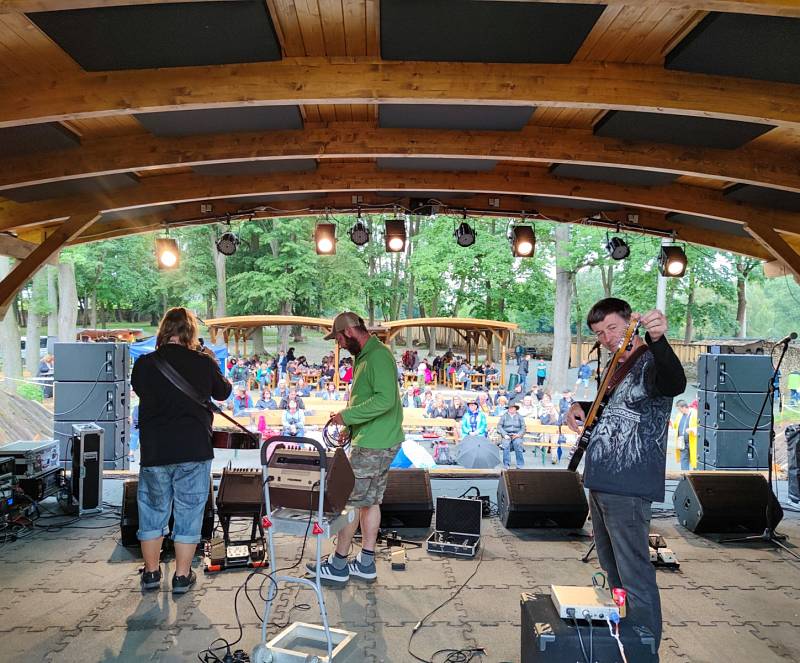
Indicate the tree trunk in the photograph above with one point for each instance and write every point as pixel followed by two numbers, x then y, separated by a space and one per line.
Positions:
pixel 607 277
pixel 687 336
pixel 741 306
pixel 91 305
pixel 578 322
pixel 410 276
pixel 32 341
pixel 456 304
pixel 258 341
pixel 426 332
pixel 219 267
pixel 12 361
pixel 68 303
pixel 283 330
pixel 370 299
pixel 561 315
pixel 52 300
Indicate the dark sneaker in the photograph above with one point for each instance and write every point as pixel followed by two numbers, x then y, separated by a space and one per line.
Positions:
pixel 182 584
pixel 328 573
pixel 366 572
pixel 150 579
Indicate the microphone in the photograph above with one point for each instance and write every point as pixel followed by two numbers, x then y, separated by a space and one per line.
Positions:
pixel 789 337
pixel 596 346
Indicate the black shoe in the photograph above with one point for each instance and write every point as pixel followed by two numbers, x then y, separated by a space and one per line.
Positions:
pixel 182 584
pixel 150 579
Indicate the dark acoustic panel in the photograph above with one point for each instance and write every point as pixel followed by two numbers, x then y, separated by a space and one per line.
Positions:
pixel 32 138
pixel 257 167
pixel 742 45
pixel 466 31
pixel 187 34
pixel 83 185
pixel 574 203
pixel 453 116
pixel 418 163
pixel 709 224
pixel 222 120
pixel 679 129
pixel 633 176
pixel 764 196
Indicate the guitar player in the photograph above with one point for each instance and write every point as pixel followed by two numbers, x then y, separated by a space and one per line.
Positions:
pixel 625 460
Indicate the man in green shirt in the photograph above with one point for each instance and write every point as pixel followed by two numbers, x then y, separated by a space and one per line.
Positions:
pixel 375 416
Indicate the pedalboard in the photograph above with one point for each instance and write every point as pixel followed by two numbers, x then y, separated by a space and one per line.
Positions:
pixel 237 554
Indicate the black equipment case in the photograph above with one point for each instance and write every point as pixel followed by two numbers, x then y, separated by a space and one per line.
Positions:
pixel 457 528
pixel 547 637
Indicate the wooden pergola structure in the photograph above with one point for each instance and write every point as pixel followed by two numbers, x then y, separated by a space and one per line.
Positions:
pixel 472 330
pixel 129 116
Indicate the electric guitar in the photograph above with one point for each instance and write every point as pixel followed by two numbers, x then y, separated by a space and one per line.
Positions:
pixel 603 392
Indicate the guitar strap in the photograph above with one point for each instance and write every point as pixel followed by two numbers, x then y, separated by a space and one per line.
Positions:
pixel 625 368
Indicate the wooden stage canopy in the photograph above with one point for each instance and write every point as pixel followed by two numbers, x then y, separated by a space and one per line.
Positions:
pixel 128 116
pixel 472 330
pixel 241 327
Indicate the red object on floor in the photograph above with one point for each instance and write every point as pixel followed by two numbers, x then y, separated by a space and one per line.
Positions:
pixel 317 530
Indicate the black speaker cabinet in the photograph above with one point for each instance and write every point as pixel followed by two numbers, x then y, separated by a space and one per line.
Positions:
pixel 732 449
pixel 535 498
pixel 731 411
pixel 725 502
pixel 129 519
pixel 408 501
pixel 793 449
pixel 726 372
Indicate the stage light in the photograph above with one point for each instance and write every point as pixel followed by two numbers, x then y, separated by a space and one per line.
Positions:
pixel 617 248
pixel 465 234
pixel 395 236
pixel 168 255
pixel 523 241
pixel 227 243
pixel 672 261
pixel 359 233
pixel 325 239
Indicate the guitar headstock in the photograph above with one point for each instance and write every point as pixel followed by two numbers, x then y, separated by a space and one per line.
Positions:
pixel 626 342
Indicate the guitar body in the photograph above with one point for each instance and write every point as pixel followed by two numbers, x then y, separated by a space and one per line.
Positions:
pixel 584 439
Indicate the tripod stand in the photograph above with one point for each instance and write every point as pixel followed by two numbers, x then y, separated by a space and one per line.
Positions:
pixel 769 535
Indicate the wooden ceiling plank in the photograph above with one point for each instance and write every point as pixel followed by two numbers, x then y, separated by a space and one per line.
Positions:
pixel 776 245
pixel 308 17
pixel 616 86
pixel 617 34
pixel 332 19
pixel 284 17
pixel 32 48
pixel 173 189
pixel 532 146
pixel 355 27
pixel 373 27
pixel 598 31
pixel 311 113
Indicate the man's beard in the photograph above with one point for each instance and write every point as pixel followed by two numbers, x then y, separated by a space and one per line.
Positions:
pixel 352 346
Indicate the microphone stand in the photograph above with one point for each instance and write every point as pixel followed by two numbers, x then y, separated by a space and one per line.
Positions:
pixel 769 535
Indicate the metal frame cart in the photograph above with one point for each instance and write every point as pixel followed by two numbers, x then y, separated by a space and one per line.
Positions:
pixel 337 642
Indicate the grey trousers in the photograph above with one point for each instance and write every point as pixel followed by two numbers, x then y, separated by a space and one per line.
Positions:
pixel 621 529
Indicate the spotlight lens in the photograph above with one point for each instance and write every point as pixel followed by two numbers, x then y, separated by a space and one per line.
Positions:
pixel 325 245
pixel 524 248
pixel 396 243
pixel 168 259
pixel 674 267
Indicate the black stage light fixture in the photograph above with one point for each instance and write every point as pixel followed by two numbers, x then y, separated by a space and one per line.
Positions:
pixel 168 255
pixel 523 241
pixel 672 261
pixel 359 233
pixel 465 234
pixel 325 239
pixel 617 248
pixel 227 243
pixel 395 235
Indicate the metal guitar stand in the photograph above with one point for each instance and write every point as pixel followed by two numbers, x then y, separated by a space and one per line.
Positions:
pixel 338 643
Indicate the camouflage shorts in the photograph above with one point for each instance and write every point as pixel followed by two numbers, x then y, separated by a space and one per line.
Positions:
pixel 371 468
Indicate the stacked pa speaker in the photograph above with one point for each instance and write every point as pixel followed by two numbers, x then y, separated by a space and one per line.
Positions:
pixel 91 386
pixel 731 391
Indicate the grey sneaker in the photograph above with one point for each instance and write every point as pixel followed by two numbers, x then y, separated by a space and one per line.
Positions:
pixel 150 579
pixel 328 573
pixel 365 572
pixel 182 584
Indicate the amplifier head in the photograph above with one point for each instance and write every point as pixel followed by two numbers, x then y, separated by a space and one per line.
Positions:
pixel 295 475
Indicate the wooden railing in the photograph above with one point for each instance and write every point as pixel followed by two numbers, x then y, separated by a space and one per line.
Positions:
pixel 687 352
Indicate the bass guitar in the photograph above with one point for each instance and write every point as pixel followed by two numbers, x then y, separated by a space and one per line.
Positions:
pixel 603 393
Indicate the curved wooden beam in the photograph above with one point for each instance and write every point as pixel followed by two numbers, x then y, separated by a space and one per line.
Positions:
pixel 533 144
pixel 613 86
pixel 366 177
pixel 767 7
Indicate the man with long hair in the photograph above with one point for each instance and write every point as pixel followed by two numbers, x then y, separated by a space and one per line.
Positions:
pixel 176 447
pixel 627 453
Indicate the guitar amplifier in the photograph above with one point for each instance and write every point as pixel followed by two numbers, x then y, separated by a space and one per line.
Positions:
pixel 294 479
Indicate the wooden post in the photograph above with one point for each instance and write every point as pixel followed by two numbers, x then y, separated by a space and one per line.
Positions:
pixel 503 337
pixel 236 342
pixel 25 269
pixel 213 332
pixel 336 364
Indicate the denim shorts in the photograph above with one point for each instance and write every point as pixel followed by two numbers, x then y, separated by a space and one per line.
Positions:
pixel 180 490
